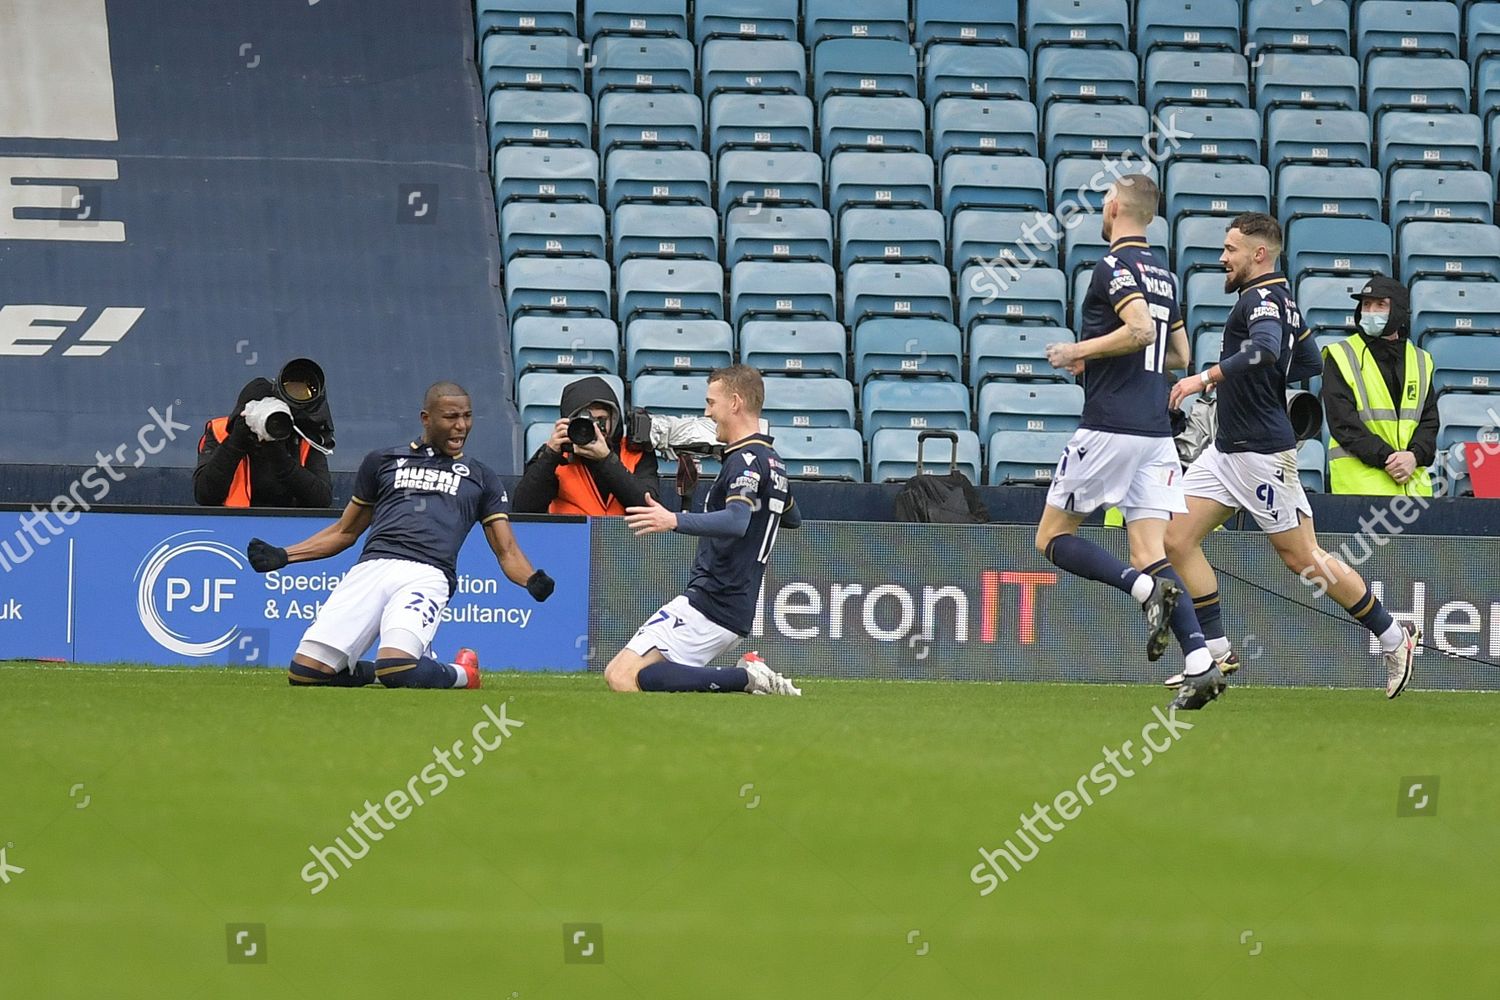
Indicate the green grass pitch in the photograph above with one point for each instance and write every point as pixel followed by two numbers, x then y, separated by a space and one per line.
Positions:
pixel 736 847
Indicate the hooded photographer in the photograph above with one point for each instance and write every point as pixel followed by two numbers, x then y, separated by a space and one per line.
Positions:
pixel 589 465
pixel 271 450
pixel 1377 396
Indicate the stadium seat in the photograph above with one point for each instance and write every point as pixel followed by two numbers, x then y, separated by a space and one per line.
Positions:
pixel 1208 348
pixel 752 232
pixel 873 124
pixel 1197 78
pixel 1217 189
pixel 1219 135
pixel 772 290
pixel 672 231
pixel 557 229
pixel 1037 296
pixel 1321 245
pixel 911 403
pixel 1298 26
pixel 1207 304
pixel 557 17
pixel 545 174
pixel 1410 27
pixel 795 348
pixel 748 19
pixel 672 288
pixel 1467 364
pixel 754 178
pixel 670 395
pixel 677 345
pixel 1069 74
pixel 865 67
pixel 904 291
pixel 1307 80
pixel 1410 138
pixel 623 63
pixel 1084 244
pixel 1481 31
pixel 903 348
pixel 1093 130
pixel 1458 309
pixel 894 453
pixel 1317 136
pixel 1187 24
pixel 1467 416
pixel 809 402
pixel 1327 304
pixel 657 177
pixel 1079 182
pixel 1198 245
pixel 891 236
pixel 1308 190
pixel 1401 83
pixel 1449 250
pixel 1029 406
pixel 967 125
pixel 634 17
pixel 1025 456
pixel 1019 239
pixel 834 19
pixel 540 118
pixel 1441 196
pixel 1077 22
pixel 1016 353
pixel 537 435
pixel 760 121
pixel 652 121
pixel 881 180
pixel 565 285
pixel 565 344
pixel 976 71
pixel 1000 183
pixel 734 65
pixel 827 453
pixel 1312 461
pixel 540 62
pixel 539 394
pixel 963 21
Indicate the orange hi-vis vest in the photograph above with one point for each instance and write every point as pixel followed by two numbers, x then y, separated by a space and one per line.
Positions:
pixel 577 493
pixel 239 486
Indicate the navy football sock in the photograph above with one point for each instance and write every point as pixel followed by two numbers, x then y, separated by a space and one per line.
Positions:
pixel 1370 613
pixel 1185 624
pixel 299 676
pixel 664 675
pixel 405 672
pixel 1210 615
pixel 1082 557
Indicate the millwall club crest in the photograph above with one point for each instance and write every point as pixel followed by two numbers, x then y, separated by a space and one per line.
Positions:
pixel 460 469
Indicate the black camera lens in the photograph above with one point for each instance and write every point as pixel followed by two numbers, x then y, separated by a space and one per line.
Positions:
pixel 582 431
pixel 279 426
pixel 300 382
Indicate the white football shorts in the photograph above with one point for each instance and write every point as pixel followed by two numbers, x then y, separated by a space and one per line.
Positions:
pixel 1265 485
pixel 1140 475
pixel 682 634
pixel 396 600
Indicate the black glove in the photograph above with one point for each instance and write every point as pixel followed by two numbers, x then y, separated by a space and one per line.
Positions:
pixel 540 586
pixel 265 557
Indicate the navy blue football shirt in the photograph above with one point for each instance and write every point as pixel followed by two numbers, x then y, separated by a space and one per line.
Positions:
pixel 1252 403
pixel 1128 394
pixel 425 503
pixel 727 571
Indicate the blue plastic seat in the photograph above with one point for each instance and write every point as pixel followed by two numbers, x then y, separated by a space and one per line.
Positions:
pixel 1001 183
pixel 1218 135
pixel 967 125
pixel 635 17
pixel 651 121
pixel 668 231
pixel 1069 74
pixel 1487 93
pixel 558 229
pixel 760 121
pixel 1027 456
pixel 1466 364
pixel 1036 296
pixel 906 291
pixel 748 19
pixel 540 118
pixel 894 452
pixel 1307 80
pixel 1187 24
pixel 1327 304
pixel 642 64
pixel 557 286
pixel 1466 416
pixel 827 453
pixel 1409 27
pixel 1441 196
pixel 1304 189
pixel 1322 137
pixel 1217 189
pixel 530 173
pixel 1029 406
pixel 735 65
pixel 539 394
pixel 1459 309
pixel 677 345
pixel 995 23
pixel 881 180
pixel 903 348
pixel 752 178
pixel 891 236
pixel 657 177
pixel 784 234
pixel 1093 130
pixel 1411 138
pixel 670 288
pixel 1312 462
pixel 779 347
pixel 1077 22
pixel 1322 245
pixel 1084 244
pixel 873 124
pixel 1298 26
pixel 869 19
pixel 1449 250
pixel 867 67
pixel 1197 78
pixel 1206 303
pixel 915 404
pixel 1015 353
pixel 1208 348
pixel 809 402
pixel 1198 246
pixel 1084 181
pixel 542 62
pixel 565 344
pixel 976 71
pixel 670 395
pixel 773 290
pixel 1010 239
pixel 556 17
pixel 1401 83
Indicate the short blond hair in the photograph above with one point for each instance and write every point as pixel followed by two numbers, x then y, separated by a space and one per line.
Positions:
pixel 1138 196
pixel 742 381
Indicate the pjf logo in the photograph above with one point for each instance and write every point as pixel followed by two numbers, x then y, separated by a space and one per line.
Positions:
pixel 184 580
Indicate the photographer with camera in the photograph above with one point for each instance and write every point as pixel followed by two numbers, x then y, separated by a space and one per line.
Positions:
pixel 590 465
pixel 271 451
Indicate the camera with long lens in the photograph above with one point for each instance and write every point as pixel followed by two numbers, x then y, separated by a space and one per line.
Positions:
pixel 297 399
pixel 582 430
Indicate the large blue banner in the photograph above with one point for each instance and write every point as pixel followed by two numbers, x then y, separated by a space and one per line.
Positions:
pixel 177 589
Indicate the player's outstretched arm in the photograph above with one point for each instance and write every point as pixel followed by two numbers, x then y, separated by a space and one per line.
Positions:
pixel 513 562
pixel 330 541
pixel 1133 335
